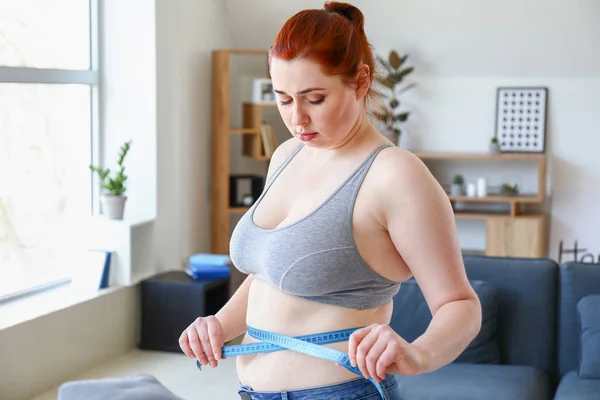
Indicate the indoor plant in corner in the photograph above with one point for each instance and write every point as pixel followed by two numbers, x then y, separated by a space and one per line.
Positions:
pixel 113 186
pixel 392 83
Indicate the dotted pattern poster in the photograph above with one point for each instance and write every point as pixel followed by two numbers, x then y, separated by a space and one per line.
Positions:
pixel 521 119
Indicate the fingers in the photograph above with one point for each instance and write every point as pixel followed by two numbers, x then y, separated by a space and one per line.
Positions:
pixel 355 339
pixel 185 345
pixel 373 350
pixel 362 350
pixel 216 339
pixel 196 345
pixel 372 359
pixel 387 358
pixel 203 340
pixel 207 347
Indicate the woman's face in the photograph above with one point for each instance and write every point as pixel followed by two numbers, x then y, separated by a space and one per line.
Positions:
pixel 319 110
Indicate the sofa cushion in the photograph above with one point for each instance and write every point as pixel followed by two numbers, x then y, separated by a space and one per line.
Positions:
pixel 527 299
pixel 577 280
pixel 476 382
pixel 573 387
pixel 134 387
pixel 588 309
pixel 412 316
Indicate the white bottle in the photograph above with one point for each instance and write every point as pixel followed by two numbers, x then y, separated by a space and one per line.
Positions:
pixel 471 190
pixel 481 187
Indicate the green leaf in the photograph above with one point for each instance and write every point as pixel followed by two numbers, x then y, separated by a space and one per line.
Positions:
pixel 405 88
pixel 401 117
pixel 385 81
pixel 384 64
pixel 394 59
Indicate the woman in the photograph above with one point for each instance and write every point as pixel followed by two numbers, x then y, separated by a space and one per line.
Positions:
pixel 344 218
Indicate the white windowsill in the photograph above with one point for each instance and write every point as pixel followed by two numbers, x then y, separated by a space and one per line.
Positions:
pixel 37 305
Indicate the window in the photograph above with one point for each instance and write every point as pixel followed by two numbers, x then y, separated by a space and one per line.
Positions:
pixel 48 114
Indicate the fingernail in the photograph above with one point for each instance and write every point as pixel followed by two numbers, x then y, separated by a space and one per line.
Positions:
pixel 213 364
pixel 218 356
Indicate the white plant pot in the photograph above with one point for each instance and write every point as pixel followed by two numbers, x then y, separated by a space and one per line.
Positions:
pixel 113 207
pixel 456 189
pixel 495 148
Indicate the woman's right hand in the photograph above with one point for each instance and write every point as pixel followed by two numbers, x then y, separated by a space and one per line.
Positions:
pixel 203 340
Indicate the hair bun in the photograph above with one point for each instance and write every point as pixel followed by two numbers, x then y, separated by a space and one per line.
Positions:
pixel 347 11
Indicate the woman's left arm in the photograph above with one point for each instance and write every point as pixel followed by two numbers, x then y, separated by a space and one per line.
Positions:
pixel 421 224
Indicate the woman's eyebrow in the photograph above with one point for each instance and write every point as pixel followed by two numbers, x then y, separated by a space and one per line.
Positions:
pixel 300 92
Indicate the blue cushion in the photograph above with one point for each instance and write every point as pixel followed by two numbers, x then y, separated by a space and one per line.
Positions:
pixel 577 280
pixel 527 299
pixel 412 316
pixel 572 387
pixel 476 382
pixel 588 309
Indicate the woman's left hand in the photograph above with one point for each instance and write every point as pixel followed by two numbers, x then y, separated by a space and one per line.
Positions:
pixel 378 350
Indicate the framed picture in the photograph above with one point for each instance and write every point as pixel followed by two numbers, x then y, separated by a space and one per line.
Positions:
pixel 521 119
pixel 262 91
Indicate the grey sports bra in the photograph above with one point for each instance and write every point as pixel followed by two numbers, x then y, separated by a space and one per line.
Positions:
pixel 316 257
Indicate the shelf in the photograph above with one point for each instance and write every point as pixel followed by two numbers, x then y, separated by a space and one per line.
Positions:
pixel 498 199
pixel 479 156
pixel 462 214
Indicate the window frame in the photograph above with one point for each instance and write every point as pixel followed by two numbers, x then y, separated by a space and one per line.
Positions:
pixel 90 77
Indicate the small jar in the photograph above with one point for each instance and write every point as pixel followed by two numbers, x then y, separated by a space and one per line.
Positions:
pixel 481 187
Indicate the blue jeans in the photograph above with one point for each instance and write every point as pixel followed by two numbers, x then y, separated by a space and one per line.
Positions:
pixel 357 389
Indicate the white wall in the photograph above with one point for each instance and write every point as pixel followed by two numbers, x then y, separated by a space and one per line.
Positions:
pixel 186 32
pixel 50 349
pixel 462 51
pixel 128 102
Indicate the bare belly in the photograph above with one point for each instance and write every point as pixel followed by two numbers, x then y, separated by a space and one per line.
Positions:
pixel 272 310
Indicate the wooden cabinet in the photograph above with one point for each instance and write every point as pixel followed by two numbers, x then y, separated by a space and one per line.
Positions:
pixel 518 232
pixel 523 236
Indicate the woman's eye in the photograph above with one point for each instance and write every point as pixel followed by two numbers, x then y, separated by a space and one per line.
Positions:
pixel 285 102
pixel 315 102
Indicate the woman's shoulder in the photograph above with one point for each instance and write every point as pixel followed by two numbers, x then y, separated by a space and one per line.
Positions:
pixel 282 153
pixel 405 173
pixel 397 164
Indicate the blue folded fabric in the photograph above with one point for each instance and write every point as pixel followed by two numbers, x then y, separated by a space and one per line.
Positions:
pixel 208 272
pixel 209 259
pixel 208 266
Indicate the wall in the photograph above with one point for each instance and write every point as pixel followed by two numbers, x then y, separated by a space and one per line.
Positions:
pixel 186 32
pixel 462 51
pixel 49 349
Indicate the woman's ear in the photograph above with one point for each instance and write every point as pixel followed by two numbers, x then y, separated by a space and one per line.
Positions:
pixel 363 81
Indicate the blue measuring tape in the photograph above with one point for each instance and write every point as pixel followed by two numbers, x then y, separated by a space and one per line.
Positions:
pixel 308 344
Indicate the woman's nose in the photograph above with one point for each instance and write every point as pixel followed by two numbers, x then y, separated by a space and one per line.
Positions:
pixel 299 117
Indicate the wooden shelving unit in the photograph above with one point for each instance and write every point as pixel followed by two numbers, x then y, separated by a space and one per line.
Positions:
pixel 513 233
pixel 518 232
pixel 252 145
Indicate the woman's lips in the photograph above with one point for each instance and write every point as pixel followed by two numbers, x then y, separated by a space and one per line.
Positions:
pixel 307 136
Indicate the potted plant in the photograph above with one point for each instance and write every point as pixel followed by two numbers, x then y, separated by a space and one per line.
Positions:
pixel 392 82
pixel 113 186
pixel 509 190
pixel 494 146
pixel 456 188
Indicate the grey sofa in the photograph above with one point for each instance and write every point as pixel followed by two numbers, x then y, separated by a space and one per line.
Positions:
pixel 530 345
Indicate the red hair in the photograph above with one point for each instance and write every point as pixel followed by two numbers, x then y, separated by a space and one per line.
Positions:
pixel 334 37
